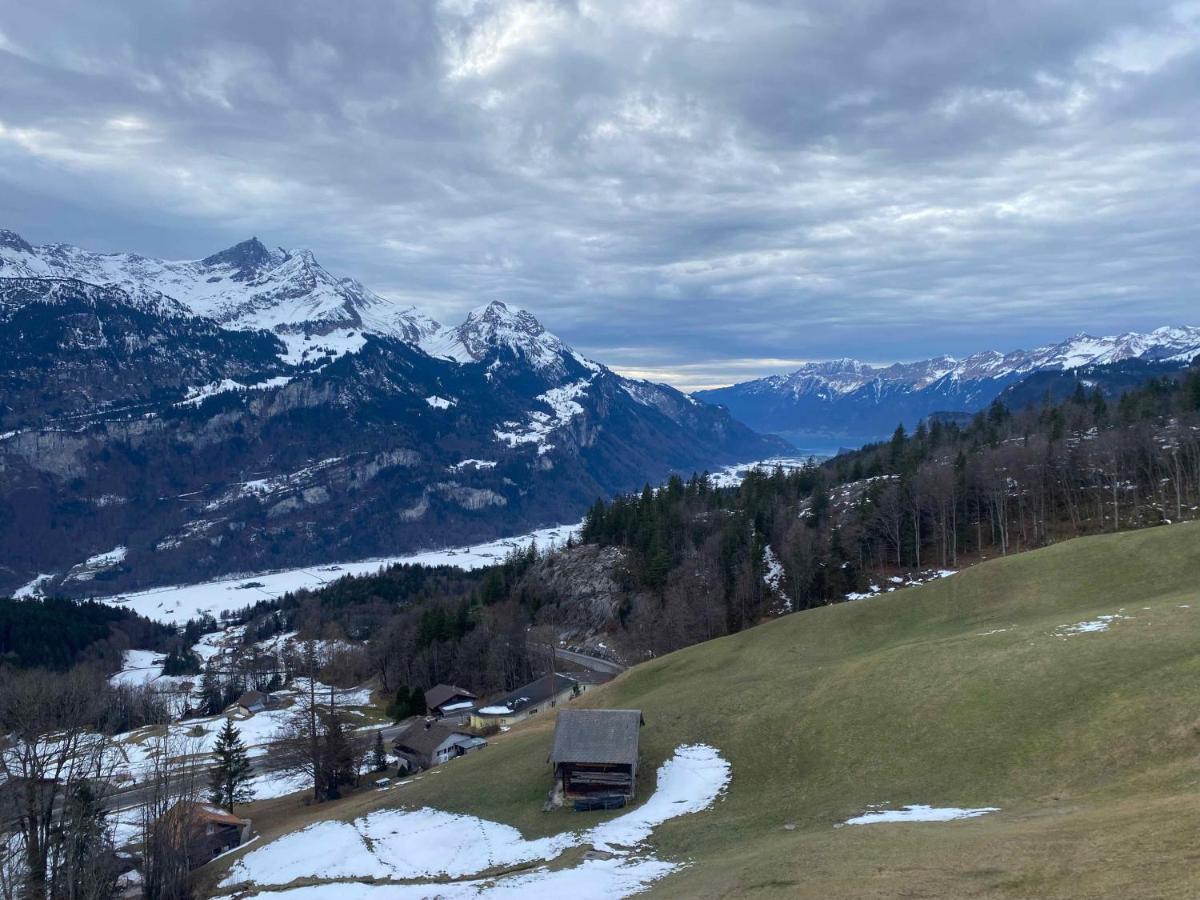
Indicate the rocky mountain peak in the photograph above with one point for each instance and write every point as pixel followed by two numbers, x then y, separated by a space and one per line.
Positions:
pixel 13 241
pixel 247 258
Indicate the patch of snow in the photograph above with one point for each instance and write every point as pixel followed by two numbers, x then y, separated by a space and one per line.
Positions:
pixel 105 560
pixel 304 348
pixel 562 402
pixel 773 576
pixel 1100 623
pixel 139 667
pixel 33 589
pixel 402 845
pixel 198 395
pixel 88 569
pixel 733 475
pixel 495 710
pixel 473 463
pixel 271 785
pixel 912 580
pixel 920 813
pixel 592 879
pixel 691 780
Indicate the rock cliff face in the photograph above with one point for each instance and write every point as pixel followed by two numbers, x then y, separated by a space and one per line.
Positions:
pixel 271 415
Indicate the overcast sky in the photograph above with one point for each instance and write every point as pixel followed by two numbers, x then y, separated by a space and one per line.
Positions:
pixel 699 192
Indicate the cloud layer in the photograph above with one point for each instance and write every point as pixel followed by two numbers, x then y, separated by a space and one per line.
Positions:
pixel 700 191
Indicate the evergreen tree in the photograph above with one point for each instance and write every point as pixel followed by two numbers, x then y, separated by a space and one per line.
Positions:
pixel 231 775
pixel 211 692
pixel 378 755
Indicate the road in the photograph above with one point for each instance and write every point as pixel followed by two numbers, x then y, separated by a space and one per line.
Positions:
pixel 592 663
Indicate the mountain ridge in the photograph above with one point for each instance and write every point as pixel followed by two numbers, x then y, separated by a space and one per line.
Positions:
pixel 304 420
pixel 849 399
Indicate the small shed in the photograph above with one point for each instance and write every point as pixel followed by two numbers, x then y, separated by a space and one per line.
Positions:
pixel 448 698
pixel 596 752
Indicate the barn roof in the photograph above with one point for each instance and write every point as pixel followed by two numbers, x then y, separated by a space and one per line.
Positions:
pixel 441 693
pixel 607 736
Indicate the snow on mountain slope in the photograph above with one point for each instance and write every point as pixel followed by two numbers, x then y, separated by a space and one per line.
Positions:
pixel 843 376
pixel 249 410
pixel 496 326
pixel 316 314
pixel 245 287
pixel 848 401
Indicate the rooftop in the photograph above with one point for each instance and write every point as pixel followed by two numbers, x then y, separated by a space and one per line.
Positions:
pixel 607 736
pixel 442 693
pixel 425 740
pixel 538 691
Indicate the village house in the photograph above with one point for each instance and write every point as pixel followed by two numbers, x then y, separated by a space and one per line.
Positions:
pixel 595 754
pixel 210 830
pixel 448 699
pixel 546 692
pixel 252 702
pixel 427 744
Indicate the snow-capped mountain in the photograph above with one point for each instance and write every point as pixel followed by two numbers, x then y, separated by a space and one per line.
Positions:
pixel 245 287
pixel 848 400
pixel 250 410
pixel 250 287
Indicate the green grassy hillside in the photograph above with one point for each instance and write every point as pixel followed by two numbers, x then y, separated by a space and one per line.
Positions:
pixel 1088 743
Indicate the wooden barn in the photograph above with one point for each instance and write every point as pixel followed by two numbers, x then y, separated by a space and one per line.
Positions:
pixel 596 752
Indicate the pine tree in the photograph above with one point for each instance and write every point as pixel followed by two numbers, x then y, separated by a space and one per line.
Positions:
pixel 379 755
pixel 231 775
pixel 211 693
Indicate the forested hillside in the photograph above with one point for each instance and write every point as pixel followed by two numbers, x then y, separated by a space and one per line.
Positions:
pixel 946 495
pixel 666 568
pixel 57 633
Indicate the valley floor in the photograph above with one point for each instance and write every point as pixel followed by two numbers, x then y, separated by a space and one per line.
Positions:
pixel 1059 686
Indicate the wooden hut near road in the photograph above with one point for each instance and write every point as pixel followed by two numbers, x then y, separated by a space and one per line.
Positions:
pixel 595 752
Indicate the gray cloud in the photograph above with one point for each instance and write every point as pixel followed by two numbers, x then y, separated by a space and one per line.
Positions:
pixel 701 191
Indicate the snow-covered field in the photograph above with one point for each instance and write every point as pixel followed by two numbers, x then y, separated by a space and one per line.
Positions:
pixel 402 845
pixel 139 667
pixel 920 813
pixel 177 604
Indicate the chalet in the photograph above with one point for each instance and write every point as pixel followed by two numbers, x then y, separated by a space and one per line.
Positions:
pixel 444 699
pixel 252 702
pixel 210 830
pixel 545 693
pixel 595 753
pixel 427 744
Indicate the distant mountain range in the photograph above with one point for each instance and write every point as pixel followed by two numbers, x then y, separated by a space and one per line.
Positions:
pixel 178 419
pixel 851 402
